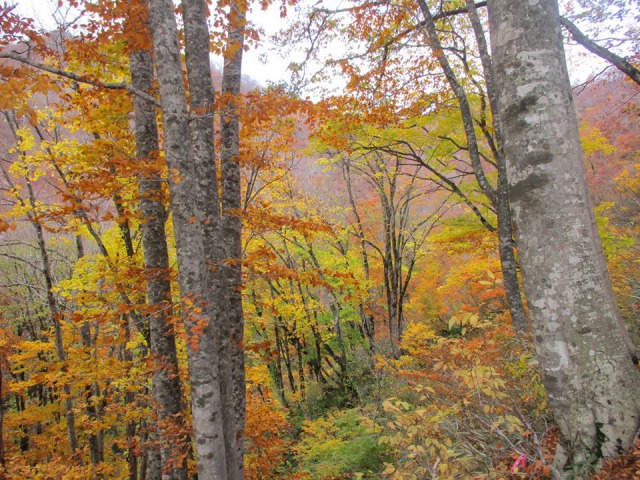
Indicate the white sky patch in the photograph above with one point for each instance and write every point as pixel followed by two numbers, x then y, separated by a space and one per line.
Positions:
pixel 264 64
pixel 582 63
pixel 261 64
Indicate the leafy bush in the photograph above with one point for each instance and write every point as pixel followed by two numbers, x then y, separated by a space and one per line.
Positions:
pixel 342 445
pixel 473 404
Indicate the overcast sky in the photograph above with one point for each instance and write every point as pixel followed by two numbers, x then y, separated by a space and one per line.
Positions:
pixel 275 69
pixel 581 63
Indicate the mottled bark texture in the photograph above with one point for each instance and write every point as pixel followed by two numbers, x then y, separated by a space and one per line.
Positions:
pixel 584 353
pixel 169 433
pixel 233 386
pixel 188 220
pixel 211 318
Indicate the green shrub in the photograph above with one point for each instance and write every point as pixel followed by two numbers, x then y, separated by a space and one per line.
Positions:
pixel 340 446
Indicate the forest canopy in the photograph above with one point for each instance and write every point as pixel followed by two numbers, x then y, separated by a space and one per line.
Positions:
pixel 415 258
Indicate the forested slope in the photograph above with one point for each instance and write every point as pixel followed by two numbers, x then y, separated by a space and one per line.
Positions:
pixel 206 281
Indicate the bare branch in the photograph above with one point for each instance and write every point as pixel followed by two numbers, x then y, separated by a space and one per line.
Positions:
pixel 620 63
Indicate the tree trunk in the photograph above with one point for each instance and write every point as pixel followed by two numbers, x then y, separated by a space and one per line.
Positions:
pixel 299 345
pixel 193 189
pixel 232 342
pixel 367 319
pixel 2 463
pixel 337 330
pixel 498 196
pixel 503 207
pixel 57 327
pixel 506 251
pixel 282 344
pixel 584 353
pixel 92 394
pixel 169 433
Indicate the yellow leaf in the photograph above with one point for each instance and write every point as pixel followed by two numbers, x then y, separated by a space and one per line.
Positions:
pixel 389 470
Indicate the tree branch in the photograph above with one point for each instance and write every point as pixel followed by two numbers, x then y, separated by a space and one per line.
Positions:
pixel 620 63
pixel 457 11
pixel 438 16
pixel 79 78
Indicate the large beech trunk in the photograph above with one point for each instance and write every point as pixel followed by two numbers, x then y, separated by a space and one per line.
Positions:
pixel 233 386
pixel 188 194
pixel 584 353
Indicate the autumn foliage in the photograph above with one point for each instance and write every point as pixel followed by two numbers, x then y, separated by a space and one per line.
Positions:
pixel 378 341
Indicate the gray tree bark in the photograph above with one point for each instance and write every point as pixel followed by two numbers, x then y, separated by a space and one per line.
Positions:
pixel 210 287
pixel 166 393
pixel 193 188
pixel 585 355
pixel 233 386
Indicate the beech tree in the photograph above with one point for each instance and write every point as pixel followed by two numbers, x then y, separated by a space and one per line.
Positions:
pixel 585 355
pixel 166 382
pixel 212 313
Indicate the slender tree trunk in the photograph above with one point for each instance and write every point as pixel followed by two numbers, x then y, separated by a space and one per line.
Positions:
pixel 585 355
pixel 232 345
pixel 283 352
pixel 499 196
pixel 57 327
pixel 129 397
pixel 367 319
pixel 506 251
pixel 274 364
pixel 168 437
pixel 299 345
pixel 387 261
pixel 317 342
pixel 337 330
pixel 23 439
pixel 334 306
pixel 2 462
pixel 503 208
pixel 127 319
pixel 92 392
